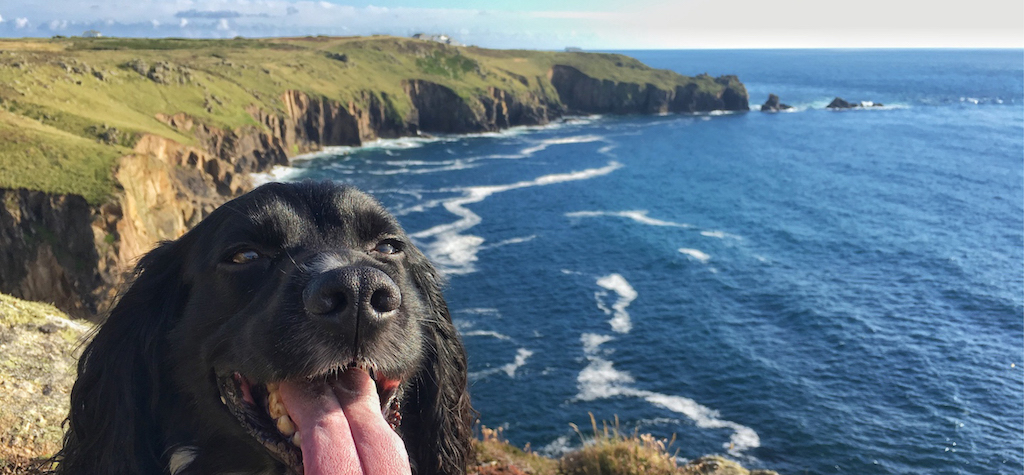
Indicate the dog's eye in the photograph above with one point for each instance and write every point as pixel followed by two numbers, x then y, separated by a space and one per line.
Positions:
pixel 388 247
pixel 245 257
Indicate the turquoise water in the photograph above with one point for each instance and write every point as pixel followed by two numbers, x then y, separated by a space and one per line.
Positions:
pixel 812 291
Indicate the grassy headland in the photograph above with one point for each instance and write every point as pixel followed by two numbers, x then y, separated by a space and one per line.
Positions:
pixel 70 107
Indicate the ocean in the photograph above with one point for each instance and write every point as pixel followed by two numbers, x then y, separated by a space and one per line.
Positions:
pixel 811 291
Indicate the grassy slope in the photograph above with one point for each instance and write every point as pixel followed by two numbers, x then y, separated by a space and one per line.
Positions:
pixel 59 97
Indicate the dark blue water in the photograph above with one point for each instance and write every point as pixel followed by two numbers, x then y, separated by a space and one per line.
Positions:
pixel 813 292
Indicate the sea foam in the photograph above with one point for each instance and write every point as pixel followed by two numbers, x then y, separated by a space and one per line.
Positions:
pixel 639 216
pixel 694 253
pixel 455 252
pixel 600 380
pixel 620 321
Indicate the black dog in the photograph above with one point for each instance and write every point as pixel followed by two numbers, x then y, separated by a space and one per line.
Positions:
pixel 257 342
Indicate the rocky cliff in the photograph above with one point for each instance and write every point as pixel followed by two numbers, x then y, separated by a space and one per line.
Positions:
pixel 225 120
pixel 586 94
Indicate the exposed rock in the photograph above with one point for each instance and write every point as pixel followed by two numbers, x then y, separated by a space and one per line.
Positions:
pixel 839 103
pixel 138 66
pixel 48 250
pixel 439 109
pixel 38 351
pixel 582 93
pixel 773 104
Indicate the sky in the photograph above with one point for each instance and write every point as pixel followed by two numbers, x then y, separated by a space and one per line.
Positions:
pixel 547 24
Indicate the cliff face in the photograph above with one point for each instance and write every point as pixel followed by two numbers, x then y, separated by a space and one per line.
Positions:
pixel 582 93
pixel 58 248
pixel 47 249
pixel 438 109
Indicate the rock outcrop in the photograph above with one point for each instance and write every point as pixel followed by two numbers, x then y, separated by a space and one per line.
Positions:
pixel 439 109
pixel 39 348
pixel 839 103
pixel 584 94
pixel 773 104
pixel 48 250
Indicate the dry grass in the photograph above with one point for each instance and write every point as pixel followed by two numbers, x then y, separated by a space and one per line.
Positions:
pixel 610 452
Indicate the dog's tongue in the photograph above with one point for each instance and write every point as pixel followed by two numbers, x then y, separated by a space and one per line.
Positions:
pixel 342 428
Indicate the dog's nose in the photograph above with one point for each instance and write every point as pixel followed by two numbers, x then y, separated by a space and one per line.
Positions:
pixel 352 294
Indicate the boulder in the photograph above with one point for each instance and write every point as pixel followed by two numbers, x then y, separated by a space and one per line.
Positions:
pixel 773 104
pixel 839 103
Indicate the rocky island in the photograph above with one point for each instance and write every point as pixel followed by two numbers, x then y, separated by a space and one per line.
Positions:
pixel 110 145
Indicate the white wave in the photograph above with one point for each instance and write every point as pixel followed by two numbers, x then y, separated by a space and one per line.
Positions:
pixel 592 342
pixel 600 380
pixel 558 447
pixel 480 311
pixel 639 216
pixel 742 439
pixel 518 240
pixel 457 165
pixel 279 173
pixel 719 235
pixel 522 355
pixel 510 369
pixel 489 333
pixel 456 253
pixel 543 144
pixel 694 253
pixel 620 320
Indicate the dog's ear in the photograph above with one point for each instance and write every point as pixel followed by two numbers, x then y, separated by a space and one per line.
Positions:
pixel 112 427
pixel 437 420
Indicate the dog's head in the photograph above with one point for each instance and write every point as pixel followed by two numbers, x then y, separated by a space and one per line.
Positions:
pixel 251 343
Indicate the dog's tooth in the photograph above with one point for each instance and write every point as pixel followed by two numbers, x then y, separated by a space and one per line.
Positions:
pixel 223 400
pixel 285 425
pixel 296 440
pixel 275 407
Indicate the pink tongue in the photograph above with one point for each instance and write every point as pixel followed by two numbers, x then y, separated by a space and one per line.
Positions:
pixel 342 428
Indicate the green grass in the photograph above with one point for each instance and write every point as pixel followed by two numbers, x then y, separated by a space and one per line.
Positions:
pixel 60 98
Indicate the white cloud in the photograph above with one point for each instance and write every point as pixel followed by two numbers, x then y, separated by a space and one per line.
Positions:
pixel 58 24
pixel 641 24
pixel 1 18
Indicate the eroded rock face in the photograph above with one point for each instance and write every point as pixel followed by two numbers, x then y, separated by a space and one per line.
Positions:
pixel 582 93
pixel 439 109
pixel 47 250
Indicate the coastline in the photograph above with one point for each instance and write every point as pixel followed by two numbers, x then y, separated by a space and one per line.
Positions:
pixel 181 127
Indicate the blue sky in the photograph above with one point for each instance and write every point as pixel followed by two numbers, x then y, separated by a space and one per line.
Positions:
pixel 539 24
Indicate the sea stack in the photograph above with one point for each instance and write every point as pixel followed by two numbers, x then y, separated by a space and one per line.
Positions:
pixel 773 104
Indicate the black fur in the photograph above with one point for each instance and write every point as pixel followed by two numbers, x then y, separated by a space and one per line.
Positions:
pixel 148 380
